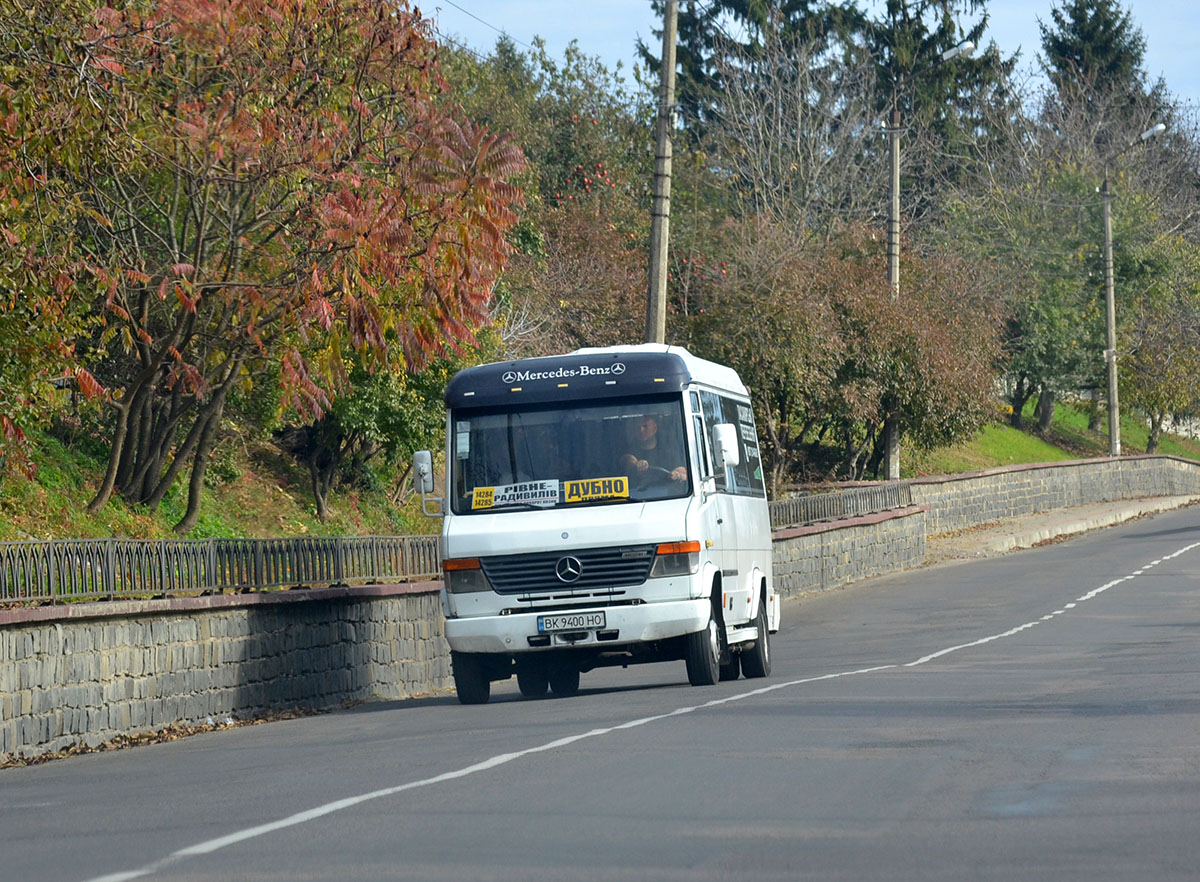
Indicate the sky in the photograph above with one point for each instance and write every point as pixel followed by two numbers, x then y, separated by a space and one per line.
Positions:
pixel 610 29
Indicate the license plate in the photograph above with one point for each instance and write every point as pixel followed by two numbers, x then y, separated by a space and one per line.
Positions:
pixel 589 621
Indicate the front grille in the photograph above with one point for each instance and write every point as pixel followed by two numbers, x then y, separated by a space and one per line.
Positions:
pixel 554 604
pixel 600 568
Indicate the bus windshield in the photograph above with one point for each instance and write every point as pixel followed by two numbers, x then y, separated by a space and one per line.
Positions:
pixel 561 455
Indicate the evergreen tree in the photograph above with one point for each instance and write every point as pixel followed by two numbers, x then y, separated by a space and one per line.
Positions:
pixel 1093 55
pixel 948 110
pixel 1093 48
pixel 708 31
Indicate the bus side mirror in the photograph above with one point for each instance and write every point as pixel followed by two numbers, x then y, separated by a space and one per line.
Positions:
pixel 423 471
pixel 725 445
pixel 423 483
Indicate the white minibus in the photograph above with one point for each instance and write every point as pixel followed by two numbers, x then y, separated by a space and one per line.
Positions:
pixel 604 507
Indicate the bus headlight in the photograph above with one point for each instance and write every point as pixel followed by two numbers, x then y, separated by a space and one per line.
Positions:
pixel 464 576
pixel 676 559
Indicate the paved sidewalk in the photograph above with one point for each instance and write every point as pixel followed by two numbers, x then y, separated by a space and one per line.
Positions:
pixel 988 540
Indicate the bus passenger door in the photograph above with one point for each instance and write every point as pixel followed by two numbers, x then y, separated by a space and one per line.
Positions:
pixel 719 517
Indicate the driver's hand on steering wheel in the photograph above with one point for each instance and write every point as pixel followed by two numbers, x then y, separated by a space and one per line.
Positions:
pixel 632 463
pixel 641 466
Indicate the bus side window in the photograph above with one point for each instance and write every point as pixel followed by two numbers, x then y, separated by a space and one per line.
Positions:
pixel 710 403
pixel 703 460
pixel 739 475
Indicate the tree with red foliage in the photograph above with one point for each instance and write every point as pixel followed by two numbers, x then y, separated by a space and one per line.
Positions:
pixel 831 354
pixel 250 182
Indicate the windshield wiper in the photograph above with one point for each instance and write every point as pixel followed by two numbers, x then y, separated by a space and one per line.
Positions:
pixel 521 506
pixel 601 500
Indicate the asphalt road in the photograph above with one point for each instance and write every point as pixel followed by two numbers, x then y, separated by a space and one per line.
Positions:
pixel 1031 716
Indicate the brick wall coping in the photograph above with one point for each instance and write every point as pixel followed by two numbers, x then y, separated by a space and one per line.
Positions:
pixel 124 608
pixel 1030 467
pixel 862 521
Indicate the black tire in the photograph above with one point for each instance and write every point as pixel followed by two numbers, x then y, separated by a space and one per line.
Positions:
pixel 756 661
pixel 532 682
pixel 731 668
pixel 471 680
pixel 564 681
pixel 702 652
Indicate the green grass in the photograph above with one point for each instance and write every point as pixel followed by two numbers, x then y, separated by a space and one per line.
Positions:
pixel 255 492
pixel 998 444
pixel 995 445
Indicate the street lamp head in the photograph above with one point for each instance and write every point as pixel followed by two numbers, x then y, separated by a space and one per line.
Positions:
pixel 1153 130
pixel 966 47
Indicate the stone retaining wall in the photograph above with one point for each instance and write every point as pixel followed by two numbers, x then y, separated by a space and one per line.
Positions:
pixel 957 502
pixel 86 673
pixel 822 556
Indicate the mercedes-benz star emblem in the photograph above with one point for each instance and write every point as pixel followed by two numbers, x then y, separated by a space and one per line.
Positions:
pixel 618 368
pixel 510 376
pixel 568 569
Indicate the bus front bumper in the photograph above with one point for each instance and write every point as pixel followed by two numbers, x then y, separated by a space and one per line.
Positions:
pixel 644 623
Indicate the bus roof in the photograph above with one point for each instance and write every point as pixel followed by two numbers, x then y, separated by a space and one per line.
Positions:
pixel 588 373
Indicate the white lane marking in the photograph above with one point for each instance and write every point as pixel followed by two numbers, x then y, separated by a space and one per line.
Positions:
pixel 328 808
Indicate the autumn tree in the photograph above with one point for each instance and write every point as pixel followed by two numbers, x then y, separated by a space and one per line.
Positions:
pixel 39 314
pixel 927 359
pixel 760 312
pixel 386 417
pixel 263 182
pixel 577 276
pixel 793 138
pixel 1160 367
pixel 1032 206
pixel 831 355
pixel 1034 224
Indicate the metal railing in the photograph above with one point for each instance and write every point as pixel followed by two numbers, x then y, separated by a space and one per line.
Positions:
pixel 90 569
pixel 849 503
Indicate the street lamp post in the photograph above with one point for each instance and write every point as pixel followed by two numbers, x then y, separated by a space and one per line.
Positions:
pixel 1110 308
pixel 891 428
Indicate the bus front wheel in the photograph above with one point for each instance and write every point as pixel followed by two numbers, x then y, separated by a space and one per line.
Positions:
pixel 702 652
pixel 471 679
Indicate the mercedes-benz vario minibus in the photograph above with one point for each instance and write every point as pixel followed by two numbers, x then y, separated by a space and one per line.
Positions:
pixel 604 507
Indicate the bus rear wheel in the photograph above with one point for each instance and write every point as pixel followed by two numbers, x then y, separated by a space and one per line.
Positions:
pixel 532 682
pixel 564 681
pixel 756 662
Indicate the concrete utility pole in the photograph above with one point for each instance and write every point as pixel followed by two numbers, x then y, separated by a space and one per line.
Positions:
pixel 1110 326
pixel 891 426
pixel 660 220
pixel 894 212
pixel 1110 306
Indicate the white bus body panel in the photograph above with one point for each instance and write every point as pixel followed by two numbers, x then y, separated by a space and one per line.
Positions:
pixel 733 531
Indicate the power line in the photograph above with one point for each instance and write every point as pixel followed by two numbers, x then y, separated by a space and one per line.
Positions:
pixel 488 24
pixel 458 44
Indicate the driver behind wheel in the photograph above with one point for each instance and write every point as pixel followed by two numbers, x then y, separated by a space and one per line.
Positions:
pixel 647 453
